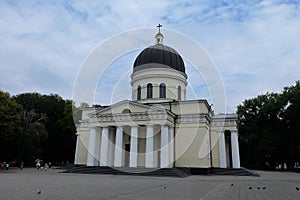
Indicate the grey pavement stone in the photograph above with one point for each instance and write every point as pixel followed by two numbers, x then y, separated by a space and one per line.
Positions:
pixel 26 184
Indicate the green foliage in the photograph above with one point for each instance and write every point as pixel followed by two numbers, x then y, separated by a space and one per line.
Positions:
pixel 36 126
pixel 269 129
pixel 33 135
pixel 10 126
pixel 60 144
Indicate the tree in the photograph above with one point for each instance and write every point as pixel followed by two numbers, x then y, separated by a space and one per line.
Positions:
pixel 292 121
pixel 268 127
pixel 33 135
pixel 68 132
pixel 10 126
pixel 60 143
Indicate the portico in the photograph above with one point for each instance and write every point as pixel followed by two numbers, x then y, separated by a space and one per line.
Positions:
pixel 110 149
pixel 150 143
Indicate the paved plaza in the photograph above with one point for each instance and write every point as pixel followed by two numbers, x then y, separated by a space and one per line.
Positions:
pixel 30 184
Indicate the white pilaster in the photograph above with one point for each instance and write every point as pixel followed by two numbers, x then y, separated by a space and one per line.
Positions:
pixel 118 147
pixel 104 147
pixel 77 148
pixel 165 148
pixel 222 150
pixel 235 150
pixel 93 149
pixel 133 146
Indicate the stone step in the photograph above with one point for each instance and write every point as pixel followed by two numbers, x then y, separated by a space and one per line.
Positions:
pixel 235 172
pixel 169 172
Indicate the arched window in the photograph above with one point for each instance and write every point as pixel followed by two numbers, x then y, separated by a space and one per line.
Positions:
pixel 126 110
pixel 179 93
pixel 139 92
pixel 149 90
pixel 162 90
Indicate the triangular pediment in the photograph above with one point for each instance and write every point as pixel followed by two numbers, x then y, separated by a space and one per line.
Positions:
pixel 126 106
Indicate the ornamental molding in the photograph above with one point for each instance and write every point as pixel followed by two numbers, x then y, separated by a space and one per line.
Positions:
pixel 125 117
pixel 225 120
pixel 224 123
pixel 143 77
pixel 194 118
pixel 83 123
pixel 154 69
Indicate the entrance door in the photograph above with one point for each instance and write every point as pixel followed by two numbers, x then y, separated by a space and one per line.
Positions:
pixel 127 154
pixel 228 148
pixel 158 158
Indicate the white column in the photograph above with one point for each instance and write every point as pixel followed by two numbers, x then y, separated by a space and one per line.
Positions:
pixel 93 149
pixel 165 149
pixel 222 150
pixel 104 147
pixel 133 146
pixel 77 148
pixel 110 149
pixel 150 146
pixel 171 146
pixel 235 150
pixel 118 147
pixel 97 146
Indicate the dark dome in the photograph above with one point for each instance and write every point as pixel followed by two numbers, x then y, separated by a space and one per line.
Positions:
pixel 161 54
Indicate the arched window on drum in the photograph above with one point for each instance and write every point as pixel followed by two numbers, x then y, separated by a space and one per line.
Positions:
pixel 149 90
pixel 179 93
pixel 162 90
pixel 139 92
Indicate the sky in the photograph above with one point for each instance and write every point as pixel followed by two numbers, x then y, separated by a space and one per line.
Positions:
pixel 255 45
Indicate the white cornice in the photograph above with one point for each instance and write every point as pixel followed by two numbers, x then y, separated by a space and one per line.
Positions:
pixel 124 117
pixel 194 118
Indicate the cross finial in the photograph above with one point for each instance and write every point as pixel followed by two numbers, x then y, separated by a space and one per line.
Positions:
pixel 159 37
pixel 159 26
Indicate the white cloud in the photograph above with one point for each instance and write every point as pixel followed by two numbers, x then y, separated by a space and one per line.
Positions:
pixel 255 44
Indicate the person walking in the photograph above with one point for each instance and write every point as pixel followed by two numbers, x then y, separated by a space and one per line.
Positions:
pixel 21 165
pixel 38 165
pixel 7 166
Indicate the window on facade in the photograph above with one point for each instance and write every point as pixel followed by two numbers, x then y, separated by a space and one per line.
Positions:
pixel 139 92
pixel 179 93
pixel 126 110
pixel 162 90
pixel 149 90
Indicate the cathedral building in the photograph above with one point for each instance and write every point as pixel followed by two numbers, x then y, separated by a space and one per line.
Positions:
pixel 159 127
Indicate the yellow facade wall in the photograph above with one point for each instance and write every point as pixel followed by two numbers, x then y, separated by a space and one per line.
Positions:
pixel 83 147
pixel 188 142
